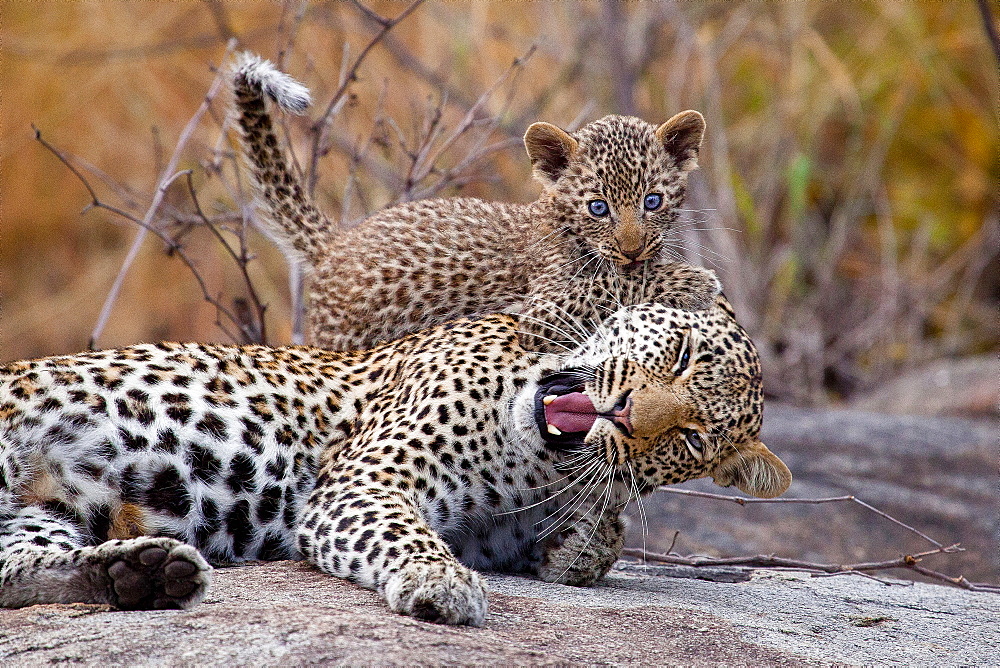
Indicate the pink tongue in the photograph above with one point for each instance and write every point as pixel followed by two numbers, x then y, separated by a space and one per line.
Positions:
pixel 571 412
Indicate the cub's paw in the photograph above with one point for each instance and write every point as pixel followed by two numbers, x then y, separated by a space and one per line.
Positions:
pixel 153 574
pixel 690 288
pixel 580 555
pixel 442 592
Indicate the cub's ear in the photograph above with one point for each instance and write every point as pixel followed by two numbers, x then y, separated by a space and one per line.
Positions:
pixel 550 149
pixel 755 471
pixel 682 136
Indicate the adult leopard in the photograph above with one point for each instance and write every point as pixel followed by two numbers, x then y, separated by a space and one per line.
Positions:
pixel 402 468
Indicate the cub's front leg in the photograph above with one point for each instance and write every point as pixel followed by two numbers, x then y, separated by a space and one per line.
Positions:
pixel 583 553
pixel 377 537
pixel 682 286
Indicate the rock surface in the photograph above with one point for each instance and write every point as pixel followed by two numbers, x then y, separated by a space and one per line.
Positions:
pixel 286 613
pixel 963 387
pixel 936 474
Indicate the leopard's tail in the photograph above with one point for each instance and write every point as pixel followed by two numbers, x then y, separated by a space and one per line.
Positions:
pixel 292 219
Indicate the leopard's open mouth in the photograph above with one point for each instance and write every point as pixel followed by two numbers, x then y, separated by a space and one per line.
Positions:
pixel 565 413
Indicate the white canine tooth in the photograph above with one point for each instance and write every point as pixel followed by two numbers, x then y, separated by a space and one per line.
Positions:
pixel 549 399
pixel 554 430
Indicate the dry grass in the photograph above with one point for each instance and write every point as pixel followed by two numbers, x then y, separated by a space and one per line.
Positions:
pixel 847 194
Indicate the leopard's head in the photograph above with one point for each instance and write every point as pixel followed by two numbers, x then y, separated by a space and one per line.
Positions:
pixel 616 184
pixel 658 396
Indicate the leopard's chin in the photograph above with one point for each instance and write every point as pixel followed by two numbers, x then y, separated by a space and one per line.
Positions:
pixel 633 267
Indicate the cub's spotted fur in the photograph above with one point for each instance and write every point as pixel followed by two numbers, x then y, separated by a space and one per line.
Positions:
pixel 594 240
pixel 401 468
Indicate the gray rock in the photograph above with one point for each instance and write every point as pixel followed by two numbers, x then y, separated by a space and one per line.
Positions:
pixel 962 387
pixel 936 474
pixel 285 613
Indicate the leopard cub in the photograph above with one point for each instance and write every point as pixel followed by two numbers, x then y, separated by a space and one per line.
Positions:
pixel 594 241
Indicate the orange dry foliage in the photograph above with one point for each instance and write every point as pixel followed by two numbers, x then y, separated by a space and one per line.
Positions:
pixel 847 193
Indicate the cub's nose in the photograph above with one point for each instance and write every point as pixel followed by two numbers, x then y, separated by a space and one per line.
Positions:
pixel 635 253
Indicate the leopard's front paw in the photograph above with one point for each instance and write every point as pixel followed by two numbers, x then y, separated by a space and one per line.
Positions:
pixel 442 592
pixel 152 573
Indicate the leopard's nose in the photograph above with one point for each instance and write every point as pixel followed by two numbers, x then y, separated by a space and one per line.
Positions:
pixel 635 253
pixel 653 412
pixel 623 416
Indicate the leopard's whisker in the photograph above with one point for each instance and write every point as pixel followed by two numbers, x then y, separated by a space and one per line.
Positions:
pixel 669 250
pixel 586 472
pixel 606 496
pixel 581 334
pixel 545 238
pixel 579 258
pixel 642 510
pixel 701 249
pixel 570 338
pixel 709 229
pixel 587 264
pixel 567 509
pixel 545 338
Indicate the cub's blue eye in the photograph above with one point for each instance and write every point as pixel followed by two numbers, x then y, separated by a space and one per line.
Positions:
pixel 598 207
pixel 653 201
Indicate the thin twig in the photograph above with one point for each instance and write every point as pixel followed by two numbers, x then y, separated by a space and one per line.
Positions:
pixel 293 32
pixel 990 27
pixel 167 177
pixel 321 127
pixel 477 151
pixel 242 260
pixel 172 245
pixel 908 561
pixel 830 499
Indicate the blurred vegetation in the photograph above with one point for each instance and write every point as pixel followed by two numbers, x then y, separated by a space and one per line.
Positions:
pixel 847 196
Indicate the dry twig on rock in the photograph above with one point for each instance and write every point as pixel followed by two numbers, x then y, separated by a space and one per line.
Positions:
pixel 906 561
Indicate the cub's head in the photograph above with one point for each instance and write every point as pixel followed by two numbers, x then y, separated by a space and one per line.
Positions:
pixel 616 183
pixel 660 396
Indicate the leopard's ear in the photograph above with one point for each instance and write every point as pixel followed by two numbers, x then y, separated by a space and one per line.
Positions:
pixel 550 149
pixel 754 470
pixel 682 136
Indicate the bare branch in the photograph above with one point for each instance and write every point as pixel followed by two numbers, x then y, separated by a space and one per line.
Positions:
pixel 909 562
pixel 370 14
pixel 293 32
pixel 165 180
pixel 743 501
pixel 173 247
pixel 253 327
pixel 990 27
pixel 221 18
pixel 321 127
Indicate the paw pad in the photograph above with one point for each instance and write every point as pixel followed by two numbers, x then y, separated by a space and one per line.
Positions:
pixel 165 575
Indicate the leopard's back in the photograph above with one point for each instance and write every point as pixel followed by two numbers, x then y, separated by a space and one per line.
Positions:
pixel 422 264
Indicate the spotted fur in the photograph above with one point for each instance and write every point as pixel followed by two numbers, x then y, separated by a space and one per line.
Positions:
pixel 404 468
pixel 426 262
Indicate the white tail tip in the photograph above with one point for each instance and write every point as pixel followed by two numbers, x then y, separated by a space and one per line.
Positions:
pixel 263 76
